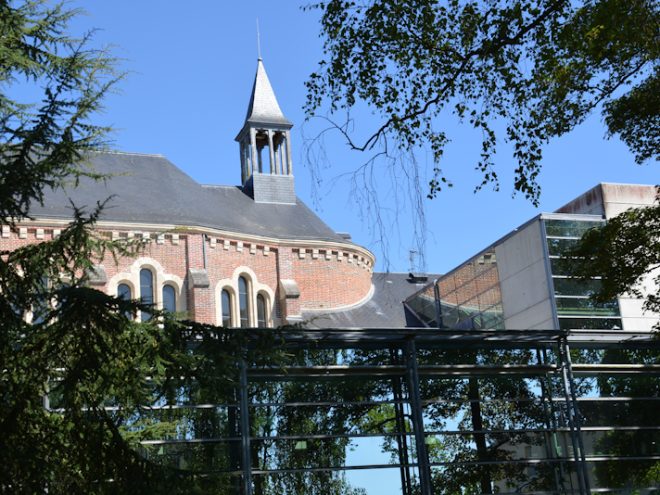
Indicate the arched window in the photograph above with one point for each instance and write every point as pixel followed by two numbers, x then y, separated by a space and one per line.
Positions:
pixel 124 292
pixel 226 308
pixel 169 298
pixel 41 306
pixel 243 302
pixel 262 321
pixel 146 291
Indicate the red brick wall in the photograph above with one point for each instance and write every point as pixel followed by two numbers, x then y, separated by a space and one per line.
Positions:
pixel 343 279
pixel 327 278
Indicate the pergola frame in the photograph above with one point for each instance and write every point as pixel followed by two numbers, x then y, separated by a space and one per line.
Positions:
pixel 405 370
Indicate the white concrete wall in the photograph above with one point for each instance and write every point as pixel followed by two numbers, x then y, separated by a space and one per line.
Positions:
pixel 611 200
pixel 526 299
pixel 617 198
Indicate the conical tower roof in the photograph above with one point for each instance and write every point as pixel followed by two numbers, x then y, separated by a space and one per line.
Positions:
pixel 263 107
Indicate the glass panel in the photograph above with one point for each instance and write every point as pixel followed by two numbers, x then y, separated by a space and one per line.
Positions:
pixel 624 476
pixel 470 297
pixel 146 291
pixel 574 287
pixel 124 292
pixel 590 323
pixel 569 228
pixel 169 299
pixel 423 305
pixel 620 421
pixel 557 247
pixel 560 266
pixel 41 307
pixel 261 311
pixel 243 302
pixel 226 308
pixel 586 307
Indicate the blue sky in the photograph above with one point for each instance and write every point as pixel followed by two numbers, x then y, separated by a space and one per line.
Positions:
pixel 190 72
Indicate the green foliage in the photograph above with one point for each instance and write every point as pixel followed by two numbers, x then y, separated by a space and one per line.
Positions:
pixel 639 412
pixel 535 69
pixel 76 373
pixel 41 144
pixel 624 252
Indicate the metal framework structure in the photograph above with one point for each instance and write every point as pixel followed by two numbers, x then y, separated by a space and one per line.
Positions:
pixel 502 410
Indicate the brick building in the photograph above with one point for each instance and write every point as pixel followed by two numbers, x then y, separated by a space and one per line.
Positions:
pixel 248 255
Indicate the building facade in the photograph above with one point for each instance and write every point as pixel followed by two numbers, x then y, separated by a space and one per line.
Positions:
pixel 249 255
pixel 254 255
pixel 389 410
pixel 519 282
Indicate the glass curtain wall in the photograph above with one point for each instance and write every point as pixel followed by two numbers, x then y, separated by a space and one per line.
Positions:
pixel 467 298
pixel 575 309
pixel 416 412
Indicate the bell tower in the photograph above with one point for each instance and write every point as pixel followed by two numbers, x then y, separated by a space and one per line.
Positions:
pixel 265 146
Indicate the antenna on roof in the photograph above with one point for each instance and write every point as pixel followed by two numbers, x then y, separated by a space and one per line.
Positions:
pixel 412 257
pixel 258 41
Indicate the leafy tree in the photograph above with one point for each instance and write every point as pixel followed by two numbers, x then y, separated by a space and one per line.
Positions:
pixel 304 426
pixel 68 351
pixel 522 71
pixel 625 251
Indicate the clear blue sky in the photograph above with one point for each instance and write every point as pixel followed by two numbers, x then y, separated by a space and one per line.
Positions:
pixel 191 68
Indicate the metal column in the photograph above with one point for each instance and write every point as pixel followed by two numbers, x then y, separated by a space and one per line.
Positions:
pixel 573 416
pixel 438 304
pixel 418 420
pixel 245 431
pixel 400 421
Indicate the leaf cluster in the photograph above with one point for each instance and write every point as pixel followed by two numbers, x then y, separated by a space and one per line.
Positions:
pixel 524 72
pixel 42 143
pixel 78 375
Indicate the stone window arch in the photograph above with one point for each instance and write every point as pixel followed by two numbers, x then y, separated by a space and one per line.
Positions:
pixel 147 296
pixel 227 314
pixel 263 310
pixel 244 301
pixel 131 277
pixel 244 310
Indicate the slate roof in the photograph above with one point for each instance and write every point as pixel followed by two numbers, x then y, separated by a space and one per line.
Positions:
pixel 150 189
pixel 384 309
pixel 263 107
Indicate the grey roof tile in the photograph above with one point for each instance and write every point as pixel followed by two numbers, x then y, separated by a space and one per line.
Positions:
pixel 150 189
pixel 384 309
pixel 263 107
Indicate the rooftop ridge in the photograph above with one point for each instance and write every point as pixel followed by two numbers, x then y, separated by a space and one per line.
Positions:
pixel 132 153
pixel 221 186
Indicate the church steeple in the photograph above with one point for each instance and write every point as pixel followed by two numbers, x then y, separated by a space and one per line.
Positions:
pixel 267 178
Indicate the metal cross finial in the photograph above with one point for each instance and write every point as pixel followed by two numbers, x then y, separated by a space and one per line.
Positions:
pixel 258 41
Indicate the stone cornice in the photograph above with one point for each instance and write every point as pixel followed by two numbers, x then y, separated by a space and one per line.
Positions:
pixel 188 229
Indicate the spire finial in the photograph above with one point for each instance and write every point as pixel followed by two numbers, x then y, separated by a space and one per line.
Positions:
pixel 258 41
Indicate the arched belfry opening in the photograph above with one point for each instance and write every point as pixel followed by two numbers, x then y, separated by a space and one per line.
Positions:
pixel 265 146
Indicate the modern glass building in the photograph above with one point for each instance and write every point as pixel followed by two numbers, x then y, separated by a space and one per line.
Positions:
pixel 520 282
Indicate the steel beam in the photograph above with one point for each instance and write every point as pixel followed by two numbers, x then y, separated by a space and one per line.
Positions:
pixel 573 417
pixel 418 420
